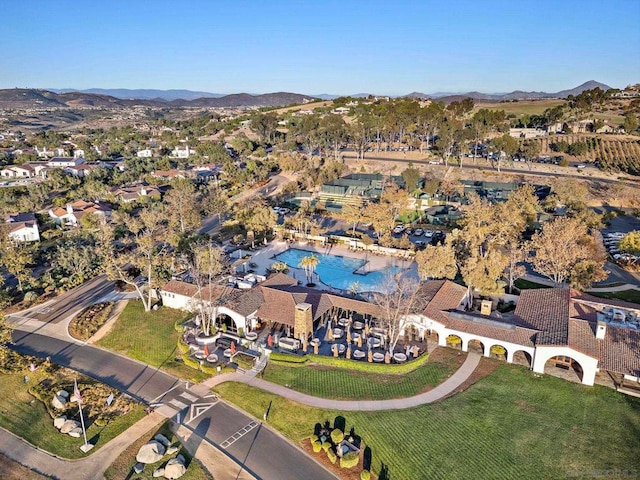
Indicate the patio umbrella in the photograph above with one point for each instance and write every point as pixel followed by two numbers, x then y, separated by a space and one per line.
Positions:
pixel 206 350
pixel 349 352
pixel 270 340
pixel 335 349
pixel 348 335
pixel 233 348
pixel 370 356
pixel 366 328
pixel 315 348
pixel 387 358
pixel 359 341
pixel 330 333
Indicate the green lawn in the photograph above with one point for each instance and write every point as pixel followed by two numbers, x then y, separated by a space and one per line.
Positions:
pixel 339 383
pixel 151 338
pixel 27 417
pixel 522 284
pixel 626 295
pixel 509 425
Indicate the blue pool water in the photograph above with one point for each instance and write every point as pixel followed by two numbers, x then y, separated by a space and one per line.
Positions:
pixel 338 272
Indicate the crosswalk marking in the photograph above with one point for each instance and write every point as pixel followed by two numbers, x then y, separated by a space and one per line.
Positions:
pixel 188 396
pixel 238 435
pixel 198 409
pixel 177 403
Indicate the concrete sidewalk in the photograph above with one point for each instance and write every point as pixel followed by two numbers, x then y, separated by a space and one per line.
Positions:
pixel 439 392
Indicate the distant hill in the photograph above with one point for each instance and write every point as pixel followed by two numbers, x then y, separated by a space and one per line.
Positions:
pixel 143 94
pixel 33 98
pixel 515 95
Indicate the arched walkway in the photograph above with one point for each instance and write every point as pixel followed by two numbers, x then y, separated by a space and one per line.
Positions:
pixel 498 351
pixel 477 346
pixel 454 341
pixel 224 321
pixel 521 357
pixel 564 367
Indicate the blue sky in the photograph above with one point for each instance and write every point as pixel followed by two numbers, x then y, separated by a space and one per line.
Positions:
pixel 340 47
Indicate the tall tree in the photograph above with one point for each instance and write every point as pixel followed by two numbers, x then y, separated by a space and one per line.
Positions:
pixel 16 258
pixel 182 206
pixel 205 266
pixel 309 263
pixel 396 301
pixel 437 262
pixel 144 251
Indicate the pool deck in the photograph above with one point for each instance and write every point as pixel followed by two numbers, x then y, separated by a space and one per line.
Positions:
pixel 264 258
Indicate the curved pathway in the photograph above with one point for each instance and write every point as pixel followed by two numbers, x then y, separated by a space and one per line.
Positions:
pixel 444 389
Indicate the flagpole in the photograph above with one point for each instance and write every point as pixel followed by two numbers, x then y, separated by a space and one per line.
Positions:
pixel 84 432
pixel 76 393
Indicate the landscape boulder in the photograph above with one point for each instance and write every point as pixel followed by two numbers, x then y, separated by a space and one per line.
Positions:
pixel 59 421
pixel 151 452
pixel 162 439
pixel 76 432
pixel 59 402
pixel 158 472
pixel 172 450
pixel 63 393
pixel 174 469
pixel 138 468
pixel 69 425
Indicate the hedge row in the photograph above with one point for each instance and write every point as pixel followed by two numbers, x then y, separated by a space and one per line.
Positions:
pixel 387 369
pixel 349 460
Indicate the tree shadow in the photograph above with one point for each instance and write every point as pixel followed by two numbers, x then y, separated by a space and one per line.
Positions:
pixel 384 472
pixel 366 458
pixel 340 423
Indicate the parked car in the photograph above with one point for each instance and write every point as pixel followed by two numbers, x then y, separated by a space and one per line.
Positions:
pixel 418 232
pixel 428 233
pixel 409 231
pixel 398 229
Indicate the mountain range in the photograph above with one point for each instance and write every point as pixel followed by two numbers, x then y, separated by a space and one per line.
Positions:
pixel 97 97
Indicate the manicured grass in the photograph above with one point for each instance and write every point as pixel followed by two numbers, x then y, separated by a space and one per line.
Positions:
pixel 522 107
pixel 626 295
pixel 522 284
pixel 122 467
pixel 510 424
pixel 340 383
pixel 27 417
pixel 151 338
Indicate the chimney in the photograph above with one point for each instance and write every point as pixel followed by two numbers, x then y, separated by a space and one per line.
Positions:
pixel 69 209
pixel 303 321
pixel 601 330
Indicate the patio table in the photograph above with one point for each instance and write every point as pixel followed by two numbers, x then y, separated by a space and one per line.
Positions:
pixel 251 336
pixel 227 353
pixel 213 358
pixel 358 325
pixel 200 355
pixel 358 354
pixel 315 341
pixel 400 357
pixel 374 342
pixel 378 357
pixel 337 332
pixel 343 322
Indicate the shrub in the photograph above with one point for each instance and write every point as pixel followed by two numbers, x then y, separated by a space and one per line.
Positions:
pixel 182 348
pixel 208 369
pixel 190 362
pixel 365 475
pixel 498 350
pixel 177 325
pixel 337 436
pixel 332 456
pixel 317 446
pixel 349 460
pixel 286 358
pixel 326 446
pixel 454 340
pixel 30 297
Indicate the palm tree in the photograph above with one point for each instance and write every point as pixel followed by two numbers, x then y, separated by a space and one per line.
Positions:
pixel 309 264
pixel 354 288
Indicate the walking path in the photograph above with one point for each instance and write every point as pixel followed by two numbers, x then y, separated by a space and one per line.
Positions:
pixel 443 390
pixel 550 283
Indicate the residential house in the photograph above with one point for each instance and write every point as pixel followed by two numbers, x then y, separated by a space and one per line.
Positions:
pixel 78 153
pixel 609 127
pixel 63 162
pixel 182 152
pixel 132 193
pixel 169 174
pixel 73 212
pixel 22 227
pixel 18 171
pixel 146 153
pixel 527 132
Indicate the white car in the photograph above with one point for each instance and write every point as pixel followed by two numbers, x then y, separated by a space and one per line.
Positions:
pixel 418 232
pixel 428 233
pixel 398 229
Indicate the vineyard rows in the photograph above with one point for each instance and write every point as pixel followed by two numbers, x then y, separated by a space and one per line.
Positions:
pixel 614 155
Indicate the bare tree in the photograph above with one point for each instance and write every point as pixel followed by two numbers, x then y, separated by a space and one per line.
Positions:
pixel 205 266
pixel 395 303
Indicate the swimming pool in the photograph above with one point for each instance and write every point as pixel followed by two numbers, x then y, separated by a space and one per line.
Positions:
pixel 338 272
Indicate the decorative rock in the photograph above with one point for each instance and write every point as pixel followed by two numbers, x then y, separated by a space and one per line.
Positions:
pixel 138 467
pixel 151 452
pixel 59 402
pixel 158 472
pixel 181 459
pixel 69 425
pixel 64 394
pixel 174 469
pixel 171 450
pixel 59 421
pixel 76 432
pixel 162 439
